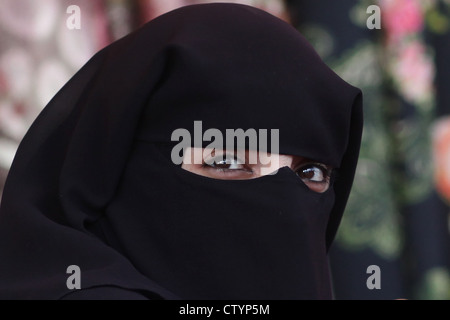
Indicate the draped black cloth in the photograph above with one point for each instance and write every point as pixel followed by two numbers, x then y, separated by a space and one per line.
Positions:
pixel 93 183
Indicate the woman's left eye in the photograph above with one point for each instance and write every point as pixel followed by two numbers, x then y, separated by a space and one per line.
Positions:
pixel 315 176
pixel 314 173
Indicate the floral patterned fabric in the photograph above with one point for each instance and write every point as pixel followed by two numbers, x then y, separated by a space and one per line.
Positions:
pixel 398 214
pixel 39 52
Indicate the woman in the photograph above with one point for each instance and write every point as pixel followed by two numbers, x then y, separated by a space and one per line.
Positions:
pixel 95 184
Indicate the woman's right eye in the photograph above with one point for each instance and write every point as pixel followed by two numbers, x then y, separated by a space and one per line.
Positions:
pixel 225 163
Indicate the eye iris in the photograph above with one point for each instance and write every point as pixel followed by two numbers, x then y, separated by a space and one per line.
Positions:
pixel 222 164
pixel 227 164
pixel 312 173
pixel 308 173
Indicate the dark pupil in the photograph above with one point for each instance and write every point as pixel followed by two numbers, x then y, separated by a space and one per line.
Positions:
pixel 222 164
pixel 308 173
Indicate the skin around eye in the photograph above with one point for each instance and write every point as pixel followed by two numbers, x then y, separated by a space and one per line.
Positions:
pixel 225 165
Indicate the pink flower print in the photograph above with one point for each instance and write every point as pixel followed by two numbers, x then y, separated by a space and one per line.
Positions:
pixel 413 71
pixel 401 17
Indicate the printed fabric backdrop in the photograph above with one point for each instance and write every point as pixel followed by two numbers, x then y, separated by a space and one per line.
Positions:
pixel 398 213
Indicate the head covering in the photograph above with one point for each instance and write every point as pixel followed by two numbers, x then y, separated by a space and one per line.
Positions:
pixel 93 184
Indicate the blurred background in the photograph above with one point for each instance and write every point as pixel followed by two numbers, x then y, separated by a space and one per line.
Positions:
pixel 398 213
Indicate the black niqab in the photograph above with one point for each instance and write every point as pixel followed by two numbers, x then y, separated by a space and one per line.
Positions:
pixel 93 184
